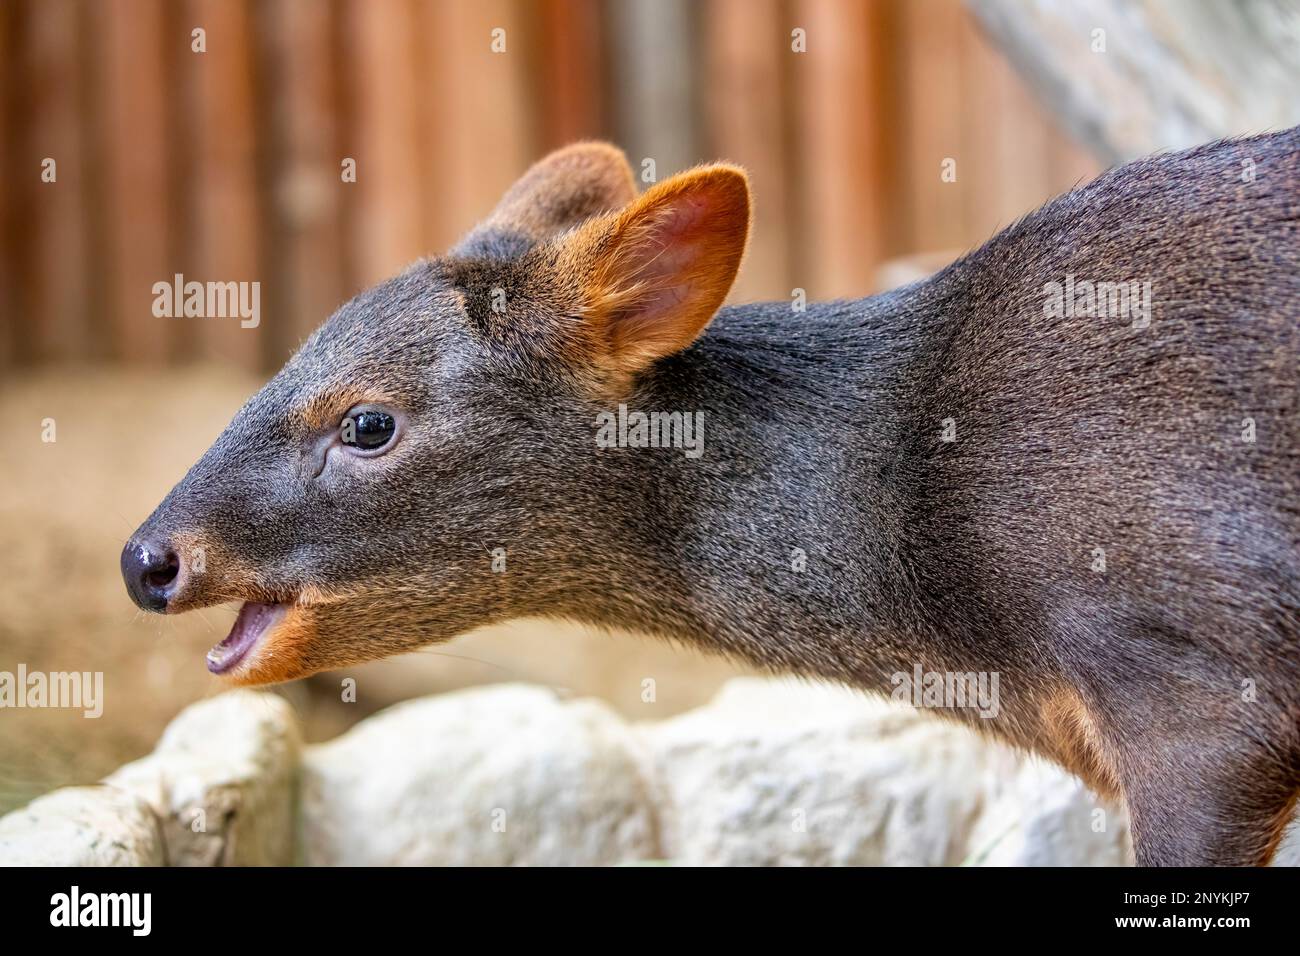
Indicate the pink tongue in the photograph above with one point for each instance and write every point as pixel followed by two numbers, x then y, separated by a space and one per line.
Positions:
pixel 253 621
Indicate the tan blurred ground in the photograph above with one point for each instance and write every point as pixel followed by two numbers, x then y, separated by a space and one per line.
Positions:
pixel 123 438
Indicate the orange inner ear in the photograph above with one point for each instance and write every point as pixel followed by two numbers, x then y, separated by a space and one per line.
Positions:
pixel 659 270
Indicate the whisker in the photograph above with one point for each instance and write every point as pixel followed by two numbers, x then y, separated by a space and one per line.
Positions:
pixel 473 660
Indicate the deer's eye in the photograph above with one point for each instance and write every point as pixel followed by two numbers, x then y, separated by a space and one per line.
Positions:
pixel 368 430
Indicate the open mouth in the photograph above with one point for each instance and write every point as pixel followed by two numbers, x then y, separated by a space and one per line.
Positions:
pixel 253 622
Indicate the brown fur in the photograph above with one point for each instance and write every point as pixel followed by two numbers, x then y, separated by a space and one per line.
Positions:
pixel 1072 735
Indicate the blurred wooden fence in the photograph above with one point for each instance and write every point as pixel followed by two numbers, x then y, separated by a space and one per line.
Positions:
pixel 225 165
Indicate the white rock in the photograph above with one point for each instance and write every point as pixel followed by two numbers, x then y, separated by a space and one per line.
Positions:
pixel 771 772
pixel 502 775
pixel 82 826
pixel 1043 816
pixel 1288 853
pixel 222 781
pixel 785 772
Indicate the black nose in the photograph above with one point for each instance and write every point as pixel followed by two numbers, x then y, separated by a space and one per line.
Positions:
pixel 150 571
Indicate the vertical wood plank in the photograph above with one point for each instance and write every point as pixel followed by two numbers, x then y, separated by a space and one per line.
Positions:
pixel 885 81
pixel 387 231
pixel 841 238
pixel 306 193
pixel 987 189
pixel 10 96
pixel 571 69
pixel 1019 159
pixel 983 204
pixel 224 229
pixel 745 51
pixel 935 210
pixel 132 100
pixel 1024 171
pixel 482 118
pixel 57 316
pixel 1071 164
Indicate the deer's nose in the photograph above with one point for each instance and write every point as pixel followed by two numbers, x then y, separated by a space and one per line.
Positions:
pixel 150 569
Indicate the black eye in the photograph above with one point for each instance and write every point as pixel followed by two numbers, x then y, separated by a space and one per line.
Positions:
pixel 368 430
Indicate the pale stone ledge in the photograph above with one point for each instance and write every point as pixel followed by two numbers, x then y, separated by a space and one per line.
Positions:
pixel 771 772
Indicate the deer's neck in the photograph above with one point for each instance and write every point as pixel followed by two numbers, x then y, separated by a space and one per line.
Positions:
pixel 776 535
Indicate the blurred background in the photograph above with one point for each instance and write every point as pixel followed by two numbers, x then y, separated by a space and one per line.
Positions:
pixel 225 164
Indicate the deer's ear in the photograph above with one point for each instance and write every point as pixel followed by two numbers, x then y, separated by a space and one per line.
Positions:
pixel 558 192
pixel 654 274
